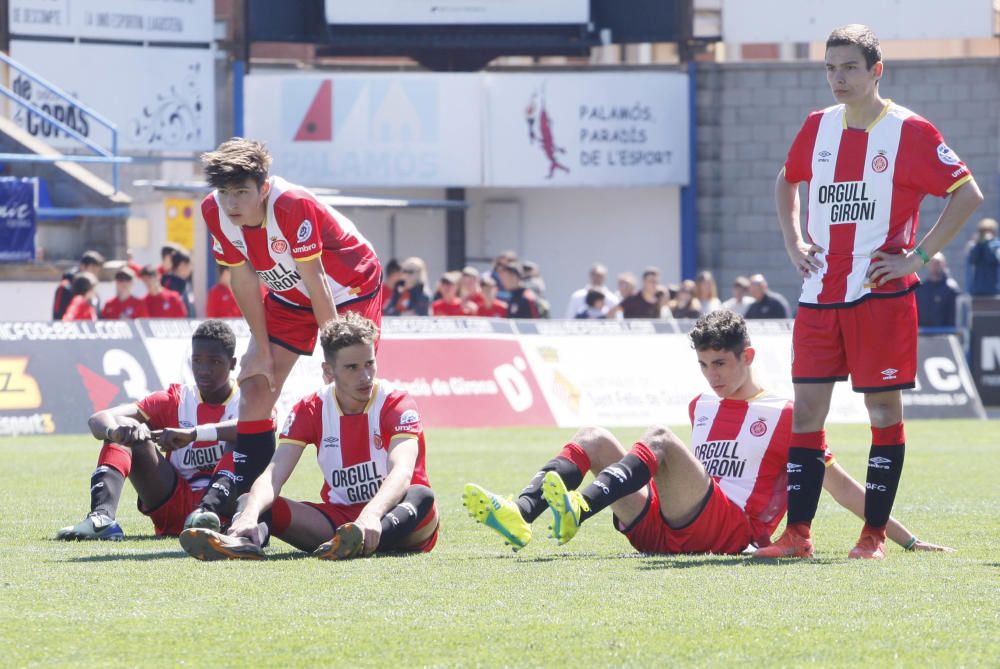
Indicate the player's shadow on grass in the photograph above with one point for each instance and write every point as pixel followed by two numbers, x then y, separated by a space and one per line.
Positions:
pixel 179 554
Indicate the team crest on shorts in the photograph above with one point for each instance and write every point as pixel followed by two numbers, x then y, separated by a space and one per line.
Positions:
pixel 880 163
pixel 758 428
pixel 278 245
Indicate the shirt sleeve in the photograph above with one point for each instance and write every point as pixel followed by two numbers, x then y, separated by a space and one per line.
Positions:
pixel 304 424
pixel 798 164
pixel 302 228
pixel 222 249
pixel 160 408
pixel 933 167
pixel 400 417
pixel 177 308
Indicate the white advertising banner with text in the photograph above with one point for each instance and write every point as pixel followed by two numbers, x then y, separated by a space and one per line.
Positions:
pixel 370 129
pixel 587 129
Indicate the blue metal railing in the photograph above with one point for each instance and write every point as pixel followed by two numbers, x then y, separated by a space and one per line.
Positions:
pixel 103 155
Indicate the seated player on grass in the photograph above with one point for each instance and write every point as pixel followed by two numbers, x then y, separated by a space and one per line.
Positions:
pixel 193 422
pixel 370 448
pixel 725 494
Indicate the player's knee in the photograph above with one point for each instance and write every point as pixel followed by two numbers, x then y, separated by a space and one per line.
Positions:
pixel 421 497
pixel 661 440
pixel 592 438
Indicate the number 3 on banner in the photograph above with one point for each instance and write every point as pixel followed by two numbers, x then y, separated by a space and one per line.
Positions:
pixel 117 361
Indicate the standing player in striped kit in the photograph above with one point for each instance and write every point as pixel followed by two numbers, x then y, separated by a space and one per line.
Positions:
pixel 315 264
pixel 721 496
pixel 370 448
pixel 868 163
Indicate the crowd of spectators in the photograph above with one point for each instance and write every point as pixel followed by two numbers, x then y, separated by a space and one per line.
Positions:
pixel 512 288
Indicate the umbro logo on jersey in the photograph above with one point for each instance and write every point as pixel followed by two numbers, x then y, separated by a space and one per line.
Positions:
pixel 889 374
pixel 238 243
pixel 793 468
pixel 239 457
pixel 824 156
pixel 331 442
pixel 702 420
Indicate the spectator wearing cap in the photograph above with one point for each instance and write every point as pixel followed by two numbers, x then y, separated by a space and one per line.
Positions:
pixel 492 307
pixel 766 304
pixel 577 301
pixel 646 302
pixel 936 295
pixel 82 307
pixel 90 261
pixel 523 302
pixel 124 305
pixel 161 302
pixel 410 298
pixel 178 279
pixel 741 298
pixel 449 303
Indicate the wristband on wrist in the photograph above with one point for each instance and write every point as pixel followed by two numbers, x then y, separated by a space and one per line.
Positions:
pixel 107 433
pixel 911 543
pixel 923 254
pixel 206 433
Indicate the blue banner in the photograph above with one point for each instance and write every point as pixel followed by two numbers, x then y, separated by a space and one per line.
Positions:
pixel 17 219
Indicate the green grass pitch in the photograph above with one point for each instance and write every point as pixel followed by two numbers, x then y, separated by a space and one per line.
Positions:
pixel 472 602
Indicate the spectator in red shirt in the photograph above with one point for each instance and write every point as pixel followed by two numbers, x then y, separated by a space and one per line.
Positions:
pixel 492 307
pixel 161 302
pixel 220 302
pixel 469 289
pixel 81 307
pixel 124 304
pixel 132 264
pixel 450 304
pixel 90 261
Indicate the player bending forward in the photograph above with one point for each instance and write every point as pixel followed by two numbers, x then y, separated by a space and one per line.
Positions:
pixel 370 448
pixel 195 420
pixel 721 497
pixel 315 265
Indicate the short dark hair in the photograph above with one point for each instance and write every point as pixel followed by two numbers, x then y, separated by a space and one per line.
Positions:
pixel 169 248
pixel 650 271
pixel 234 161
pixel 216 330
pixel 148 270
pixel 593 297
pixel 347 330
pixel 721 330
pixel 82 282
pixel 179 256
pixel 392 267
pixel 860 36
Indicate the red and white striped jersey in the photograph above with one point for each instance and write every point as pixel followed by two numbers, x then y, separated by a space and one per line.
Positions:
pixel 743 446
pixel 298 227
pixel 180 406
pixel 865 188
pixel 353 450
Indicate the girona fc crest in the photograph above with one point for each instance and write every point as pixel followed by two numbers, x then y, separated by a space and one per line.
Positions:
pixel 880 163
pixel 278 245
pixel 758 428
pixel 377 440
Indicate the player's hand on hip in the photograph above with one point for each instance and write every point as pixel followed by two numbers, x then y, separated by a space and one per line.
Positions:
pixel 257 362
pixel 805 258
pixel 888 266
pixel 371 527
pixel 934 548
pixel 170 439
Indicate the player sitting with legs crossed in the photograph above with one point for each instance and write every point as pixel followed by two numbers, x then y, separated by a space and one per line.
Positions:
pixel 722 496
pixel 370 448
pixel 195 420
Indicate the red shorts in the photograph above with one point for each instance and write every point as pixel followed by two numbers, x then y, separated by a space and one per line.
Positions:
pixel 168 518
pixel 722 527
pixel 295 328
pixel 339 514
pixel 874 341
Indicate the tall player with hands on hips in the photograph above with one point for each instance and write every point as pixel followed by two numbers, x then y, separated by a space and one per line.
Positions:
pixel 868 162
pixel 315 265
